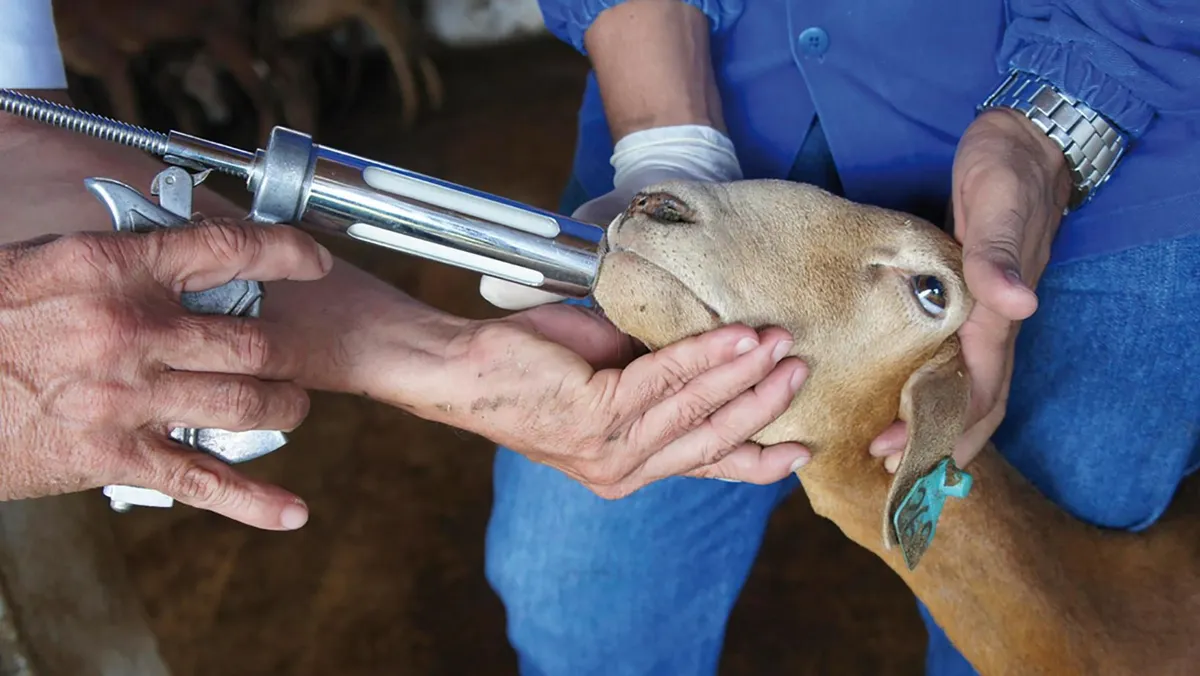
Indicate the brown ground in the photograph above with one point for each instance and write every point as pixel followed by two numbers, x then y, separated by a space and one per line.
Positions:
pixel 387 577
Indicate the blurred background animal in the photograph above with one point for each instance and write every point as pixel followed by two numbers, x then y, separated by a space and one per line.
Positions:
pixel 107 40
pixel 391 24
pixel 280 59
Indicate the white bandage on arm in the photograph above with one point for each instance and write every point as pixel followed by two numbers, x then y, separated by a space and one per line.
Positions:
pixel 29 53
pixel 694 151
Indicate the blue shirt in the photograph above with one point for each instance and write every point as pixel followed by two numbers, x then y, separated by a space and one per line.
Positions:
pixel 896 82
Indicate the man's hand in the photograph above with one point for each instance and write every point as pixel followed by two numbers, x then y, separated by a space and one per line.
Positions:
pixel 1010 187
pixel 548 383
pixel 98 361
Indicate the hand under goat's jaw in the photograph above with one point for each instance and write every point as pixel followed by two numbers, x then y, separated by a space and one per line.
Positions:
pixel 870 296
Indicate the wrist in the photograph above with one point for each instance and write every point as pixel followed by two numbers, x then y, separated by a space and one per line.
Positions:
pixel 1022 130
pixel 1034 156
pixel 363 336
pixel 1089 143
pixel 401 359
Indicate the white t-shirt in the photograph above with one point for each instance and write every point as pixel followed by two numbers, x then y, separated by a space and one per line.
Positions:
pixel 29 54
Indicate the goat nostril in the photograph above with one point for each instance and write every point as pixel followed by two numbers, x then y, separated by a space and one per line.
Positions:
pixel 663 207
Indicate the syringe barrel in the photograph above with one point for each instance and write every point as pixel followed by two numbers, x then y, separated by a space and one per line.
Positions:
pixel 312 186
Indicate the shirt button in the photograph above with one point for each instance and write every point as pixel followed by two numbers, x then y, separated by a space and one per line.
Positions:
pixel 814 41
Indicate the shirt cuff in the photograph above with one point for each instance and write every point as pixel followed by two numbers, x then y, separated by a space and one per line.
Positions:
pixel 23 67
pixel 574 22
pixel 1075 75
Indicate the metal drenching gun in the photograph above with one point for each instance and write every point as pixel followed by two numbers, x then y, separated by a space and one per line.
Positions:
pixel 299 182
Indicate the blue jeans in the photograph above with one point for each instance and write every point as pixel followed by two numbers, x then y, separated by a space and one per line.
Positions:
pixel 1103 417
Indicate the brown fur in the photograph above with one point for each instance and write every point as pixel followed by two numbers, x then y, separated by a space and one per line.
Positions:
pixel 1018 585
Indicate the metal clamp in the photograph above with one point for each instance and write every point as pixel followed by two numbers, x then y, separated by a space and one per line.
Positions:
pixel 132 211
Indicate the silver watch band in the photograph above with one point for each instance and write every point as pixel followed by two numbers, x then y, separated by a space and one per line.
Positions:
pixel 1092 144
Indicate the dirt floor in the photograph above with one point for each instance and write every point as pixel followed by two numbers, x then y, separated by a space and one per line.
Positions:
pixel 387 577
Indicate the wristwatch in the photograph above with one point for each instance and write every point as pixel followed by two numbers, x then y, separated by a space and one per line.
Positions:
pixel 1092 144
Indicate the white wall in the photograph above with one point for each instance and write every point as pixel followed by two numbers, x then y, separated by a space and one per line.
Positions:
pixel 470 23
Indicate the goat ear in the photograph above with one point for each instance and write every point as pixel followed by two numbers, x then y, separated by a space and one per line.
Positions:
pixel 934 404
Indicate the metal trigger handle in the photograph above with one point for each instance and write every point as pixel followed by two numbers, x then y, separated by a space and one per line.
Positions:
pixel 132 211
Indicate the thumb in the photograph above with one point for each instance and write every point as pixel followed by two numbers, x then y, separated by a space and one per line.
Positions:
pixel 992 264
pixel 204 482
pixel 602 210
pixel 511 296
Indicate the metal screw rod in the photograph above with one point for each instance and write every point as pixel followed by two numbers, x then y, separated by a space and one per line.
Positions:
pixel 56 114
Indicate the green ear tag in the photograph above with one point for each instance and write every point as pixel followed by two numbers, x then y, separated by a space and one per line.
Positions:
pixel 917 516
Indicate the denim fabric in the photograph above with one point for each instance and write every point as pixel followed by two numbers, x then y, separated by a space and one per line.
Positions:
pixel 1104 417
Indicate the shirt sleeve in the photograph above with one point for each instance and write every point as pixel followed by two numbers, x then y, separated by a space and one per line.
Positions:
pixel 1130 61
pixel 29 53
pixel 568 20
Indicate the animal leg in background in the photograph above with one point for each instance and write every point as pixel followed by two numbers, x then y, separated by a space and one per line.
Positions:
pixel 239 60
pixel 394 34
pixel 99 60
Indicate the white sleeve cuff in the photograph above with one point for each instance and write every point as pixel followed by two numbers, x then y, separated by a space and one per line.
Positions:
pixel 691 150
pixel 29 53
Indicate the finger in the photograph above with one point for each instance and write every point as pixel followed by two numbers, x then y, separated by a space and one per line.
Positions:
pixel 213 252
pixel 679 412
pixel 511 296
pixel 991 262
pixel 750 463
pixel 987 344
pixel 892 440
pixel 651 379
pixel 224 344
pixel 604 209
pixel 706 442
pixel 227 402
pixel 976 437
pixel 202 481
pixel 892 462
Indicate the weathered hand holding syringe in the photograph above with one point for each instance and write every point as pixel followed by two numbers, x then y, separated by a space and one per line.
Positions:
pixel 298 182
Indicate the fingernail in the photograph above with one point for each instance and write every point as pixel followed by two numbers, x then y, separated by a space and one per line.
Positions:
pixel 325 256
pixel 781 350
pixel 1014 277
pixel 797 379
pixel 294 516
pixel 745 345
pixel 799 462
pixel 892 462
pixel 728 481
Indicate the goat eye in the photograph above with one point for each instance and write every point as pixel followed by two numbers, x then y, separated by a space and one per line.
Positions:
pixel 930 294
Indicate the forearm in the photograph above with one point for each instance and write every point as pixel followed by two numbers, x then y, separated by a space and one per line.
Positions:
pixel 343 316
pixel 654 66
